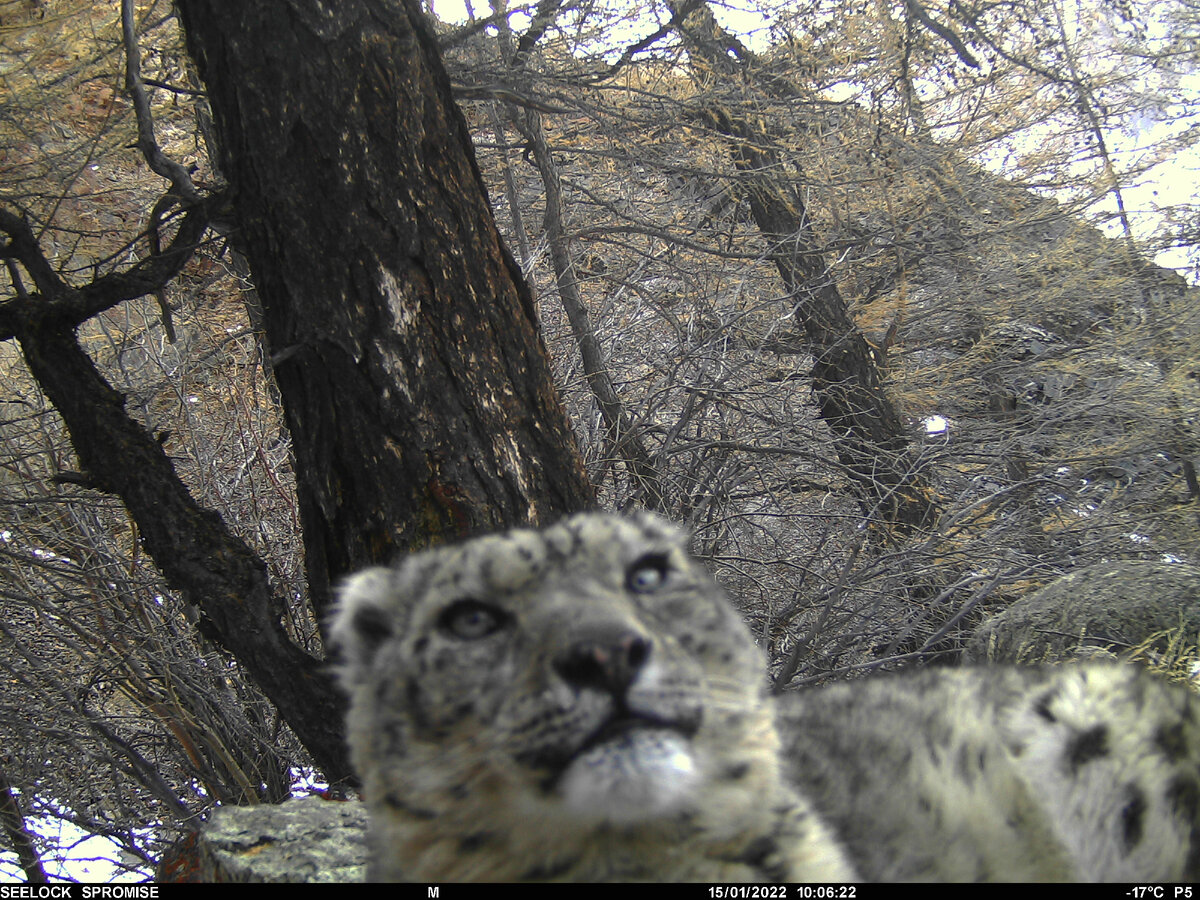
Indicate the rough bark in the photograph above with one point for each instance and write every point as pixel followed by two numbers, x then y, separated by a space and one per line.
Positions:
pixel 12 822
pixel 871 441
pixel 405 343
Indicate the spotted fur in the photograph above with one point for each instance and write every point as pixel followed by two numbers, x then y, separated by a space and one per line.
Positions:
pixel 582 704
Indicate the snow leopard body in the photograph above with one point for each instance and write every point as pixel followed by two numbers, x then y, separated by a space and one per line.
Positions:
pixel 583 704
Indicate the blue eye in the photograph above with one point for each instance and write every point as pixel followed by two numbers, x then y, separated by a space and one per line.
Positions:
pixel 648 574
pixel 470 620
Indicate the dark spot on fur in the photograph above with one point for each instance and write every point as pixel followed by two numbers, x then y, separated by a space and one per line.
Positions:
pixel 1171 741
pixel 1042 707
pixel 737 771
pixel 463 710
pixel 1133 816
pixel 395 735
pixel 1184 797
pixel 373 626
pixel 412 693
pixel 548 872
pixel 394 802
pixel 1086 746
pixel 968 764
pixel 552 760
pixel 472 842
pixel 576 541
pixel 383 694
pixel 763 856
pixel 1191 868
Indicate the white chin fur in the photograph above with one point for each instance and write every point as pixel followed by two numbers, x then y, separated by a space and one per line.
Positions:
pixel 641 775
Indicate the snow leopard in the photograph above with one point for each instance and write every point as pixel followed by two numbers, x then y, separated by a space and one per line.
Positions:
pixel 583 703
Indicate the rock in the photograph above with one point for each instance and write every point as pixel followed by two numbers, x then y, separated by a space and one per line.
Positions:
pixel 1109 606
pixel 309 840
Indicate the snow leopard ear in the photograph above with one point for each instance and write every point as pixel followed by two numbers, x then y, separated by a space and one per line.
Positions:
pixel 362 620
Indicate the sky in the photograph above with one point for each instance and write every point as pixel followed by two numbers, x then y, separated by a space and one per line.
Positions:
pixel 91 857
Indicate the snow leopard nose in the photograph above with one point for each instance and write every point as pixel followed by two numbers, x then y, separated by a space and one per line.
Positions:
pixel 604 662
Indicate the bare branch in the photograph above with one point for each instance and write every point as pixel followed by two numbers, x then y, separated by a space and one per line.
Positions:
pixel 56 298
pixel 918 12
pixel 159 162
pixel 12 820
pixel 22 247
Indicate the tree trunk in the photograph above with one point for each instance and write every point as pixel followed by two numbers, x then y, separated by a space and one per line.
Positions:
pixel 405 343
pixel 12 821
pixel 868 433
pixel 626 437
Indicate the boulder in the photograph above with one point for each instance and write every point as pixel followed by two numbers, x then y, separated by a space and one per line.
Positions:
pixel 1106 607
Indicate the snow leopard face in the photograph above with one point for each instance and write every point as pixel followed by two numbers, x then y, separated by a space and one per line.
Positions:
pixel 581 681
pixel 581 704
